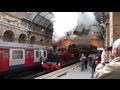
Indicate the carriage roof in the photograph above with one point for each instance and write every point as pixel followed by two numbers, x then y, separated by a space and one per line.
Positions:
pixel 19 45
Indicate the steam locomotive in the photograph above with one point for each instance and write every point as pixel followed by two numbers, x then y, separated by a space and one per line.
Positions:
pixel 65 56
pixel 15 57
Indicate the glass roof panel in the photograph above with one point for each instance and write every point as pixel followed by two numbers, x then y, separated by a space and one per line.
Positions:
pixel 52 19
pixel 49 16
pixel 47 23
pixel 44 19
pixel 37 19
pixel 43 13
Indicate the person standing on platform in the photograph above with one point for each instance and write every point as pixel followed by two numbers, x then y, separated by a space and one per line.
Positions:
pixel 90 59
pixel 86 62
pixel 93 64
pixel 83 59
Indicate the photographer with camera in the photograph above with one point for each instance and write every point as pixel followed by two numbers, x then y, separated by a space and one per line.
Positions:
pixel 109 70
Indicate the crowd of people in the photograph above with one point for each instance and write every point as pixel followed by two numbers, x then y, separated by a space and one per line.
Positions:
pixel 93 59
pixel 102 67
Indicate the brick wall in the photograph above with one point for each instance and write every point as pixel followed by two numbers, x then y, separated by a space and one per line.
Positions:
pixel 20 14
pixel 5 17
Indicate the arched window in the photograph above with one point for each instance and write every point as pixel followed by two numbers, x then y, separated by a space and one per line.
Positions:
pixel 32 40
pixel 22 38
pixel 8 36
pixel 41 41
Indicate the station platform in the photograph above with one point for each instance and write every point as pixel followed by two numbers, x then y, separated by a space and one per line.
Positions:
pixel 76 73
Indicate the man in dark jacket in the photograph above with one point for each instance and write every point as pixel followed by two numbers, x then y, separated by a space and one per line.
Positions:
pixel 83 59
pixel 96 58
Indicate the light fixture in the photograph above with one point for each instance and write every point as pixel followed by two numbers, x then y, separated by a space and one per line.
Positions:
pixel 19 21
pixel 42 29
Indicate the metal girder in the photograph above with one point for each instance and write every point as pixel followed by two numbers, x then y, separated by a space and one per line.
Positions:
pixel 46 21
pixel 33 19
pixel 42 17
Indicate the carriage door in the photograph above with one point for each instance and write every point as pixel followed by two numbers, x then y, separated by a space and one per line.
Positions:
pixel 36 56
pixel 45 54
pixel 4 59
pixel 29 57
pixel 41 55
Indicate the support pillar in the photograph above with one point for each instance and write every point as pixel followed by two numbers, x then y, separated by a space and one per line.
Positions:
pixel 109 33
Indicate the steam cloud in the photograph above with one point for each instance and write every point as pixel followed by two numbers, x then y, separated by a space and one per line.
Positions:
pixel 68 21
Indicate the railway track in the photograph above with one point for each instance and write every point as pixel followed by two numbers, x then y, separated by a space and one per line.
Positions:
pixel 31 74
pixel 58 73
pixel 26 73
pixel 35 75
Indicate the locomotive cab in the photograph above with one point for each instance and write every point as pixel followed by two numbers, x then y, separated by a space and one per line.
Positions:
pixel 52 61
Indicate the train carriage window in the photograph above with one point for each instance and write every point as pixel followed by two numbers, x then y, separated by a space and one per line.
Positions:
pixel 5 55
pixel 44 53
pixel 37 54
pixel 17 54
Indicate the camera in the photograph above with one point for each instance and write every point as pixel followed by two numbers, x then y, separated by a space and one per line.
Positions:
pixel 108 48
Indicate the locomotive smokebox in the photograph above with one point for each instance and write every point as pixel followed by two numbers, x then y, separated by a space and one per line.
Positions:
pixel 54 45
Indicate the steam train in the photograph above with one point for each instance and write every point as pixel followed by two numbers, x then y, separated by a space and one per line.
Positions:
pixel 15 57
pixel 68 55
pixel 61 57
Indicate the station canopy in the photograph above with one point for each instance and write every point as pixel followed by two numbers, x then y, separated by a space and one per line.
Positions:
pixel 45 19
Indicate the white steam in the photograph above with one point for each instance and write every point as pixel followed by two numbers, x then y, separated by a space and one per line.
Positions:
pixel 67 21
pixel 85 20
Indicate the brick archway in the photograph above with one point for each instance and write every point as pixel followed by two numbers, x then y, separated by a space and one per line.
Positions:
pixel 9 36
pixel 32 40
pixel 22 38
